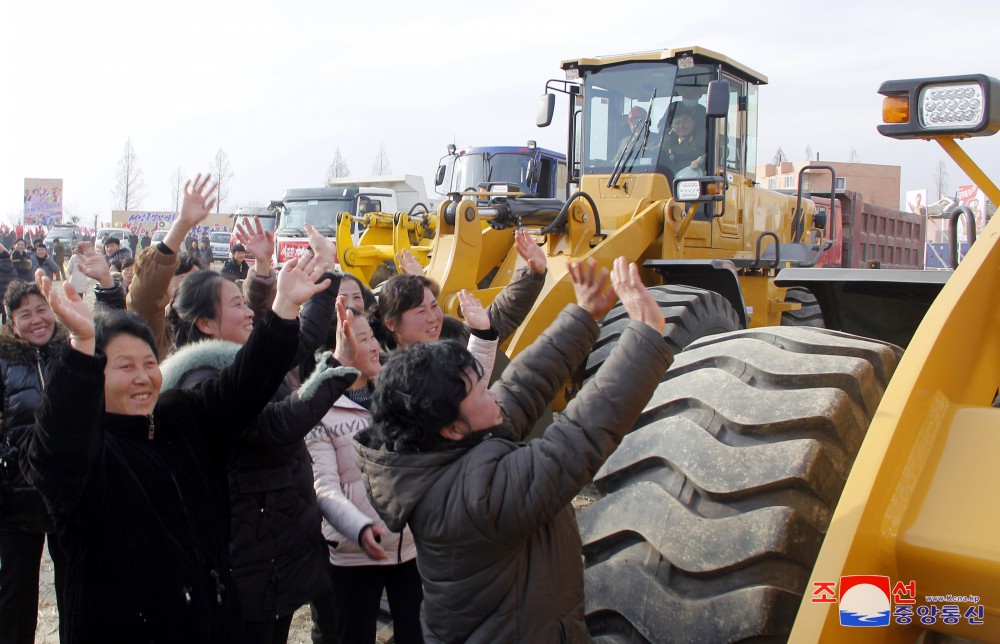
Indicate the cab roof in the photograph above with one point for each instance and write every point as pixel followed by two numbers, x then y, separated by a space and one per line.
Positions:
pixel 700 54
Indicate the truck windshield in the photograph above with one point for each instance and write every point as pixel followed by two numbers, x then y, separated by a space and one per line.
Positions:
pixel 321 213
pixel 502 167
pixel 617 99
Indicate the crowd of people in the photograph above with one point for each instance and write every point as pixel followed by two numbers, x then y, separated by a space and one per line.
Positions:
pixel 207 452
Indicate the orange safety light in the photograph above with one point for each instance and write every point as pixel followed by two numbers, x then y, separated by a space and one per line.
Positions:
pixel 895 109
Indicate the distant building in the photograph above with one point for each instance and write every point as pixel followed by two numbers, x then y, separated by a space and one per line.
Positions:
pixel 880 184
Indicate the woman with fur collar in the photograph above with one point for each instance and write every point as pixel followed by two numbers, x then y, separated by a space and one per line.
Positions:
pixel 276 543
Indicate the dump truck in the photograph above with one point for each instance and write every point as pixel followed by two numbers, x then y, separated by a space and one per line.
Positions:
pixel 721 514
pixel 322 208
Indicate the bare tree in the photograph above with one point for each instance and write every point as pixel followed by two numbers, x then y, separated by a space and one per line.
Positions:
pixel 338 168
pixel 177 187
pixel 779 156
pixel 809 153
pixel 129 186
pixel 223 174
pixel 852 156
pixel 381 165
pixel 941 178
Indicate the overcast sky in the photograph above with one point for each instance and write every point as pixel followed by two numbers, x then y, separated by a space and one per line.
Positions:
pixel 280 85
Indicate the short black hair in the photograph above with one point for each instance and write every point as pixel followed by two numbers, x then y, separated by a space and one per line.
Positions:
pixel 367 297
pixel 114 322
pixel 399 294
pixel 418 394
pixel 112 240
pixel 187 264
pixel 17 294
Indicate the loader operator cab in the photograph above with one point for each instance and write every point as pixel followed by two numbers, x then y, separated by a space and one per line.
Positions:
pixel 672 87
pixel 675 133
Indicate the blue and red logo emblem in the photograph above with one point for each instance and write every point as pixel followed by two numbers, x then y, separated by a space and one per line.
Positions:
pixel 864 600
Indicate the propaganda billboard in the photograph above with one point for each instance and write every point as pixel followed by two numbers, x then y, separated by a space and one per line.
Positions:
pixel 43 201
pixel 975 199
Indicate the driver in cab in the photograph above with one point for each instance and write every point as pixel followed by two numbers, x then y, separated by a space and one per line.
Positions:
pixel 634 118
pixel 683 147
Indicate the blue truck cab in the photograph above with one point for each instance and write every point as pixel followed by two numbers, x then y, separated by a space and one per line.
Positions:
pixel 539 172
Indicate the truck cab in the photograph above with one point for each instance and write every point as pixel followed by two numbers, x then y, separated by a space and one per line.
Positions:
pixel 539 172
pixel 322 208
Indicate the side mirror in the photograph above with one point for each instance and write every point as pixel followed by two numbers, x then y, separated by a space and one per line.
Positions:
pixel 718 99
pixel 532 172
pixel 819 218
pixel 546 108
pixel 439 177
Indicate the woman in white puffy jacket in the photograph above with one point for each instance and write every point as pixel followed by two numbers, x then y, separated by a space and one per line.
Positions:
pixel 365 557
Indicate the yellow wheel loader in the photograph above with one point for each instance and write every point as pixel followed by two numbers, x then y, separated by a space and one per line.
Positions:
pixel 722 511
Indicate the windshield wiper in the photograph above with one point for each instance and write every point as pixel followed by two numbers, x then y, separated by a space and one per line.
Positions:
pixel 631 150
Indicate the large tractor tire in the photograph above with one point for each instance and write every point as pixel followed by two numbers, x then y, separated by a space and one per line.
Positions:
pixel 691 313
pixel 810 313
pixel 714 508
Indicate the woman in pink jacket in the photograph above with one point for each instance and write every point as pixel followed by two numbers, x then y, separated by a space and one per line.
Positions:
pixel 365 556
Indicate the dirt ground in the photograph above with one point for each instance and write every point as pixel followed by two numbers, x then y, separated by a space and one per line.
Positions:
pixel 47 631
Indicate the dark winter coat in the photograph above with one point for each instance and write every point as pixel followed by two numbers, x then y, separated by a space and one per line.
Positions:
pixel 141 503
pixel 22 368
pixel 58 252
pixel 111 299
pixel 234 270
pixel 45 264
pixel 278 551
pixel 497 542
pixel 23 264
pixel 7 272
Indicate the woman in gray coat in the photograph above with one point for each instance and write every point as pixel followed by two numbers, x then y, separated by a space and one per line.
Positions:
pixel 497 543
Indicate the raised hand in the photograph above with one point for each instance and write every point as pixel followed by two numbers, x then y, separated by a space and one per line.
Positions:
pixel 407 264
pixel 198 201
pixel 473 311
pixel 96 267
pixel 370 537
pixel 297 283
pixel 347 342
pixel 258 241
pixel 530 251
pixel 637 301
pixel 592 285
pixel 321 246
pixel 71 311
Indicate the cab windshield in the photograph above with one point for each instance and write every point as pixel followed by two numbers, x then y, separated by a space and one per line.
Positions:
pixel 321 213
pixel 645 117
pixel 502 167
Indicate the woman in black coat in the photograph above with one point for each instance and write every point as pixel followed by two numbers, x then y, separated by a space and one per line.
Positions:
pixel 136 480
pixel 28 341
pixel 278 551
